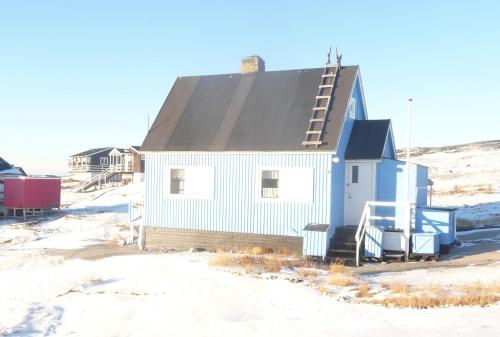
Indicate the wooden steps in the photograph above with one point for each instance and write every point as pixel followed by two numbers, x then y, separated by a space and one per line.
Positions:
pixel 343 245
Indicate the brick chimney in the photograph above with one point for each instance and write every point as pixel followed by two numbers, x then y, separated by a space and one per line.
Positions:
pixel 252 64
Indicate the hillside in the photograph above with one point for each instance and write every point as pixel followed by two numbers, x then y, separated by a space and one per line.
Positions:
pixel 467 176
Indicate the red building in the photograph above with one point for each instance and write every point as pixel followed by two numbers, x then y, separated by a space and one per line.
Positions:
pixel 31 194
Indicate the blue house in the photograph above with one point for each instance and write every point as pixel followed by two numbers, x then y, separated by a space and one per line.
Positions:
pixel 280 159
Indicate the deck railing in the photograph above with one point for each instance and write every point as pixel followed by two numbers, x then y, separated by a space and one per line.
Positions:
pixel 121 167
pixel 368 216
pixel 83 168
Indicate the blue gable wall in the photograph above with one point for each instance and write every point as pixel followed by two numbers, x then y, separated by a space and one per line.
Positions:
pixel 338 169
pixel 389 147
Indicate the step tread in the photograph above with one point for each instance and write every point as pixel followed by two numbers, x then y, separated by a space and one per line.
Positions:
pixel 333 250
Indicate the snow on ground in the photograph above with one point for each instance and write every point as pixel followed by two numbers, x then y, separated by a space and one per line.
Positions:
pixel 179 294
pixel 443 276
pixel 91 218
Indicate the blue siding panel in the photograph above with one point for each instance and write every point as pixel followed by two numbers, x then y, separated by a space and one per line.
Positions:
pixel 386 189
pixel 437 220
pixel 235 207
pixel 392 186
pixel 389 148
pixel 315 243
pixel 374 242
pixel 425 243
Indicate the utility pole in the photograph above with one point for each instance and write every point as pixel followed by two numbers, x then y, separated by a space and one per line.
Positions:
pixel 408 184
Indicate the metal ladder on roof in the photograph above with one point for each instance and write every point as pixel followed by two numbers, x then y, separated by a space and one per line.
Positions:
pixel 322 106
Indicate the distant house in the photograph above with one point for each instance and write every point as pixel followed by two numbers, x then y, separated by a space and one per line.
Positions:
pixel 107 164
pixel 89 162
pixel 279 159
pixel 138 163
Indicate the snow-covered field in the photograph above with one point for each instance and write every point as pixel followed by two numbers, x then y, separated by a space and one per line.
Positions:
pixel 466 176
pixel 180 294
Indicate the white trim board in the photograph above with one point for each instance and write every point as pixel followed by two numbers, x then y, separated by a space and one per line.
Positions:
pixel 316 152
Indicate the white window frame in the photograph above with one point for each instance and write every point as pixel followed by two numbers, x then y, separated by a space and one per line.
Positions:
pixel 284 185
pixel 191 189
pixel 106 161
pixel 351 109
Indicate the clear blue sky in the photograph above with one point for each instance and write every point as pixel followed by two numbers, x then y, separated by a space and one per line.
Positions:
pixel 81 74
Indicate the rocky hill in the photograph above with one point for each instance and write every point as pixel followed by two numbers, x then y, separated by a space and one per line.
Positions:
pixel 466 175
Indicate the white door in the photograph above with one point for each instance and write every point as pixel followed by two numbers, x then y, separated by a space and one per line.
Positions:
pixel 359 188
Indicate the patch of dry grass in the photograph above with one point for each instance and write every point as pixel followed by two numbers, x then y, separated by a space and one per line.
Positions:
pixel 486 189
pixel 435 295
pixel 481 288
pixel 220 258
pixel 302 263
pixel 249 263
pixel 261 251
pixel 273 264
pixel 432 288
pixel 457 190
pixel 247 260
pixel 257 250
pixel 397 287
pixel 308 273
pixel 364 291
pixel 323 290
pixel 431 301
pixel 341 280
pixel 337 267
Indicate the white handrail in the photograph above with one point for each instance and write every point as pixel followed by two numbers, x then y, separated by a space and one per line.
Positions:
pixel 367 217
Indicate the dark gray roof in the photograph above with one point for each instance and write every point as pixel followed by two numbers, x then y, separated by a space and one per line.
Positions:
pixel 91 152
pixel 367 139
pixel 267 111
pixel 4 165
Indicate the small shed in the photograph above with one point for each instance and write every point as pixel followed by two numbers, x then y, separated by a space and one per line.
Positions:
pixel 31 194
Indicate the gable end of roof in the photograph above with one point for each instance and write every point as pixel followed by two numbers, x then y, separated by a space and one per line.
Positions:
pixel 367 140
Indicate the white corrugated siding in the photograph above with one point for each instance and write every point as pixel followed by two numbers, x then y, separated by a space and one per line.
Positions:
pixel 235 207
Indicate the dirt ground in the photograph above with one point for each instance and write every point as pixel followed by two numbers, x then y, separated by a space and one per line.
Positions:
pixel 477 248
pixel 98 251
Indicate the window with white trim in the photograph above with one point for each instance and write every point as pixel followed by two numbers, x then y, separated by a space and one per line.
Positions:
pixel 290 184
pixel 104 161
pixel 190 182
pixel 352 108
